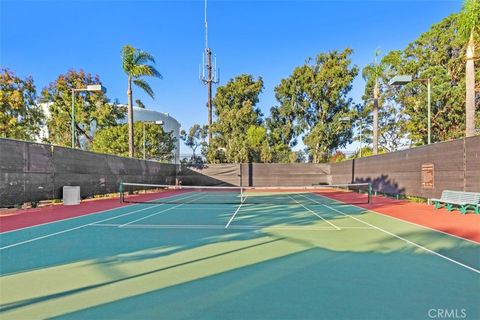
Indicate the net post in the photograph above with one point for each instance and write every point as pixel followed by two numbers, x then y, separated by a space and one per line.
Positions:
pixel 241 174
pixel 120 189
pixel 369 193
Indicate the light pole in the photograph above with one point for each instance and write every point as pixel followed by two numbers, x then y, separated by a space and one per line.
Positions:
pixel 404 79
pixel 158 122
pixel 90 88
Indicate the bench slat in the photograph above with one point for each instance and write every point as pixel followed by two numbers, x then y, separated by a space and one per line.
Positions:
pixel 463 199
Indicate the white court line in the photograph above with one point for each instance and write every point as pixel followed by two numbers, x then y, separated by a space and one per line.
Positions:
pixel 214 226
pixel 91 214
pixel 76 228
pixel 235 213
pixel 154 214
pixel 401 238
pixel 315 213
pixel 406 221
pixel 425 227
pixel 207 208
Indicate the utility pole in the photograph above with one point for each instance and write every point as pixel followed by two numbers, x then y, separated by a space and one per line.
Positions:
pixel 208 74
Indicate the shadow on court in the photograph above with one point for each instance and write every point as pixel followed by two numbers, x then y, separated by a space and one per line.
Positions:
pixel 268 273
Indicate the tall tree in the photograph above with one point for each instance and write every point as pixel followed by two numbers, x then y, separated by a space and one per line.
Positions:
pixel 135 65
pixel 281 125
pixel 195 138
pixel 392 132
pixel 385 125
pixel 437 55
pixel 159 145
pixel 314 103
pixel 236 111
pixel 20 117
pixel 469 25
pixel 257 142
pixel 92 110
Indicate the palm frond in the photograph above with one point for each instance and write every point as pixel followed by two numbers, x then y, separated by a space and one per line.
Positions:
pixel 144 86
pixel 367 71
pixel 154 72
pixel 127 58
pixel 142 57
pixel 469 18
pixel 145 70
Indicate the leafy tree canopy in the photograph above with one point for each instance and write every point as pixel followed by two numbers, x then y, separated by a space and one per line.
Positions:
pixel 236 111
pixel 20 117
pixel 91 108
pixel 195 138
pixel 314 103
pixel 469 20
pixel 159 145
pixel 436 54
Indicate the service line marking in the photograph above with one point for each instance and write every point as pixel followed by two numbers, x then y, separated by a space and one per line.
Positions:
pixel 79 227
pixel 161 211
pixel 314 212
pixel 400 238
pixel 235 213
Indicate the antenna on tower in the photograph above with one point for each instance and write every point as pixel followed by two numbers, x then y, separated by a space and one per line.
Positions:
pixel 208 73
pixel 206 26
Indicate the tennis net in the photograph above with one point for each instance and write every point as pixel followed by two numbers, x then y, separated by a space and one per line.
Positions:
pixel 355 193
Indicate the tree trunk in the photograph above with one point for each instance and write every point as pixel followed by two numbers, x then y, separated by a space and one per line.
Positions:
pixel 375 117
pixel 470 89
pixel 131 148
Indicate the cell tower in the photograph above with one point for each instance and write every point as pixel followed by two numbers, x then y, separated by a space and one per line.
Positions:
pixel 208 74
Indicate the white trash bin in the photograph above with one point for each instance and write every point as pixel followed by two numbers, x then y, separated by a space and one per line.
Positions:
pixel 71 195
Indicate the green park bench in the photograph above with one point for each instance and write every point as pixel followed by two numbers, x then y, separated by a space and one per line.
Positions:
pixel 464 200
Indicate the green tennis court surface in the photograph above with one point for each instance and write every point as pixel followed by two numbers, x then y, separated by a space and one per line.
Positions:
pixel 311 258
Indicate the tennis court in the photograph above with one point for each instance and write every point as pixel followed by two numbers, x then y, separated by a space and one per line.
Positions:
pixel 216 253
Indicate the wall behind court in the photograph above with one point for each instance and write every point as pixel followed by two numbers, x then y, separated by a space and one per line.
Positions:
pixel 33 171
pixel 456 167
pixel 255 174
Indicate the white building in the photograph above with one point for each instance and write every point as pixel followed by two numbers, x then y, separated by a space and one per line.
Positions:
pixel 170 124
pixel 43 134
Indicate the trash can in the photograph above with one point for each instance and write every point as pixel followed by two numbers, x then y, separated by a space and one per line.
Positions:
pixel 71 195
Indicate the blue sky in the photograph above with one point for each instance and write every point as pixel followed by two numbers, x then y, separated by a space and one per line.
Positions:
pixel 263 38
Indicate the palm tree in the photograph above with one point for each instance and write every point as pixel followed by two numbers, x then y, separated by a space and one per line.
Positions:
pixel 135 66
pixel 469 25
pixel 372 72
